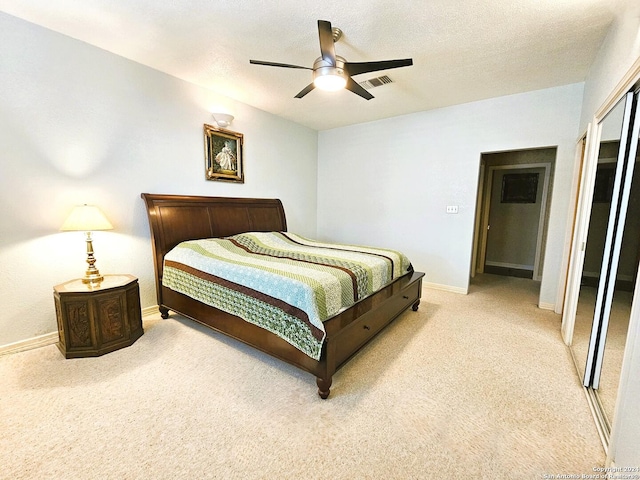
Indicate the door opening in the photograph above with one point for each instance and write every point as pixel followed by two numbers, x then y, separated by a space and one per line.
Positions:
pixel 511 216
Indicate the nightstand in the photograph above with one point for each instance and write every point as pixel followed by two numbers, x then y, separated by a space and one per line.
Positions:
pixel 94 319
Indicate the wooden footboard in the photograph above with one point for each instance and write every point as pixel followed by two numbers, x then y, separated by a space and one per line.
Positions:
pixel 351 330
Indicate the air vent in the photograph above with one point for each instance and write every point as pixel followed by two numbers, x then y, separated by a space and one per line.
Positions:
pixel 375 82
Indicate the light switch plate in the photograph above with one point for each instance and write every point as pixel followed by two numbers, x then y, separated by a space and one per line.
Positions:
pixel 452 209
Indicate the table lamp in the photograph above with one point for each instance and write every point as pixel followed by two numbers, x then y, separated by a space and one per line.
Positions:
pixel 88 218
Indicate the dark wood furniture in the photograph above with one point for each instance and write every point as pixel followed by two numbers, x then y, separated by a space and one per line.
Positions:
pixel 94 319
pixel 176 218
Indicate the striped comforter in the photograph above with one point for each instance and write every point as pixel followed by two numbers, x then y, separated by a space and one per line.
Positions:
pixel 280 281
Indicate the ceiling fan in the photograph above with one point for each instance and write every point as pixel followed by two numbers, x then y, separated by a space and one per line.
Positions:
pixel 332 72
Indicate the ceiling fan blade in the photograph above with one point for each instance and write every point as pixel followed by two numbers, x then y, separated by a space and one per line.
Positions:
pixel 305 90
pixel 356 68
pixel 274 64
pixel 327 46
pixel 357 89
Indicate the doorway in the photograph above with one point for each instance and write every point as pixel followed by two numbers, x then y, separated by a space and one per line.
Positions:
pixel 512 213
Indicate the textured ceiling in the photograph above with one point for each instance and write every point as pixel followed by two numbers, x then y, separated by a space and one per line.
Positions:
pixel 463 50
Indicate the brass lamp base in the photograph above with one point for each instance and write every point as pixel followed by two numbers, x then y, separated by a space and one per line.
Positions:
pixel 92 275
pixel 93 278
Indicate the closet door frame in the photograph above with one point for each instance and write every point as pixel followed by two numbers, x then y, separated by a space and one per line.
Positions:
pixel 581 229
pixel 584 178
pixel 586 185
pixel 615 229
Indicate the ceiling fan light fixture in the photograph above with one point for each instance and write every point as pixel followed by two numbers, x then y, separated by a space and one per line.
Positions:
pixel 329 81
pixel 329 77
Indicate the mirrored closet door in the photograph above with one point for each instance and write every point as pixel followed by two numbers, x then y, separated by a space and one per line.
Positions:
pixel 610 262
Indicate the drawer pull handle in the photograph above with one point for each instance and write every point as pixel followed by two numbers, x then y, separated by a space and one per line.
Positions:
pixel 367 327
pixel 405 297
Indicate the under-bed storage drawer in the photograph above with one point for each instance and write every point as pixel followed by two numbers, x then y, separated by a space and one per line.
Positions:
pixel 366 327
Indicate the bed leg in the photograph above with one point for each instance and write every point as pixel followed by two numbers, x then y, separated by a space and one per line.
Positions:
pixel 164 312
pixel 414 307
pixel 324 386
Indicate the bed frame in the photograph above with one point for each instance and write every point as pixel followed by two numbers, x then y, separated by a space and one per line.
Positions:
pixel 176 218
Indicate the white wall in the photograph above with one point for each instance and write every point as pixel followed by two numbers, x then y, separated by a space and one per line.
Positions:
pixel 81 125
pixel 619 54
pixel 388 182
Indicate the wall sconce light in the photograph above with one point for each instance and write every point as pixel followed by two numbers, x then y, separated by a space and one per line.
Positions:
pixel 87 218
pixel 223 120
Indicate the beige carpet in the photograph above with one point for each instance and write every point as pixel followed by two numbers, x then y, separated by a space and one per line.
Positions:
pixel 475 386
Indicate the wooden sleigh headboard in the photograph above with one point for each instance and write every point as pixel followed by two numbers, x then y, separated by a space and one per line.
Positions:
pixel 177 218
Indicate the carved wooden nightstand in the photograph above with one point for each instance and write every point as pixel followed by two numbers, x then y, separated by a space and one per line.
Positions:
pixel 94 319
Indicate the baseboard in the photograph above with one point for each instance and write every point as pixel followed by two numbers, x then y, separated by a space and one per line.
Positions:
pixel 517 266
pixel 508 272
pixel 152 310
pixel 51 338
pixel 624 278
pixel 30 343
pixel 445 288
pixel 547 306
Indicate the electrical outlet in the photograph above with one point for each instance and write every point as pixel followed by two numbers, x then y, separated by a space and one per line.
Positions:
pixel 452 209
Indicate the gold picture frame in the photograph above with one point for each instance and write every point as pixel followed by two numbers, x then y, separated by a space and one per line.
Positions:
pixel 223 155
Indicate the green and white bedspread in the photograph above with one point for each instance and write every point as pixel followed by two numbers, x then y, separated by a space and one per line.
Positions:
pixel 281 281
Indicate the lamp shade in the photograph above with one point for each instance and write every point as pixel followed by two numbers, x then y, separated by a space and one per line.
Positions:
pixel 86 218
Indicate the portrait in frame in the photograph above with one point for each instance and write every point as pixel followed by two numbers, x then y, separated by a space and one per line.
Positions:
pixel 223 155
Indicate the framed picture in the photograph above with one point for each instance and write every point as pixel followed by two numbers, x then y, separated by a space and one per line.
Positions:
pixel 519 188
pixel 223 155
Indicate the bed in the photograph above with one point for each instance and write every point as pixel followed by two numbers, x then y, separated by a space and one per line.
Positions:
pixel 174 219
